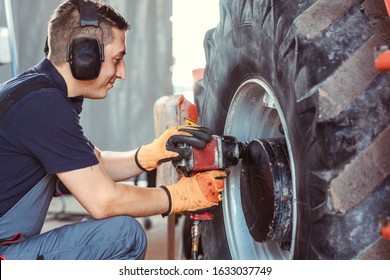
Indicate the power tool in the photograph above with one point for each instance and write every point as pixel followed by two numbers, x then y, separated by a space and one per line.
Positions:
pixel 220 153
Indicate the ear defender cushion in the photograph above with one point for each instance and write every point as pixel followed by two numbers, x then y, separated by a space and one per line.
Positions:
pixel 84 58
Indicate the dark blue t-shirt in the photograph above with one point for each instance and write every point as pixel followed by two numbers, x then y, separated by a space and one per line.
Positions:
pixel 40 134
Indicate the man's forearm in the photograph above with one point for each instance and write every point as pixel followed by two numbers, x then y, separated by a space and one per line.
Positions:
pixel 103 198
pixel 119 166
pixel 139 202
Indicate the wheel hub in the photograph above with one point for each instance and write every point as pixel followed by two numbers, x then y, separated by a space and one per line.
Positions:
pixel 266 190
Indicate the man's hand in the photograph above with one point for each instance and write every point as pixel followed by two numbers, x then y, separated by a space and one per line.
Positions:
pixel 200 191
pixel 165 148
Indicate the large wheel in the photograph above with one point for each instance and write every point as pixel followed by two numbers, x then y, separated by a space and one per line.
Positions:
pixel 296 79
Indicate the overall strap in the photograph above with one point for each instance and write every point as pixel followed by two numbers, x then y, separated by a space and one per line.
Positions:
pixel 18 93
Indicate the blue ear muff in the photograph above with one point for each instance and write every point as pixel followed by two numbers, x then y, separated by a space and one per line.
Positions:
pixel 85 57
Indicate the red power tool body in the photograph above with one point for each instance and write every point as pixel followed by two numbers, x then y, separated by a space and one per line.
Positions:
pixel 219 154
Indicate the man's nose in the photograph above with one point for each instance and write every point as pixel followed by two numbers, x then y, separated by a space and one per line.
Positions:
pixel 121 70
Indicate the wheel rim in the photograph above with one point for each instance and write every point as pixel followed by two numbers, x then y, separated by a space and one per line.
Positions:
pixel 254 113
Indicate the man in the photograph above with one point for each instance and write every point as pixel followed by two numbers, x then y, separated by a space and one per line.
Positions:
pixel 41 139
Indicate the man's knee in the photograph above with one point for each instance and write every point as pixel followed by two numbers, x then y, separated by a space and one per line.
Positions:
pixel 134 235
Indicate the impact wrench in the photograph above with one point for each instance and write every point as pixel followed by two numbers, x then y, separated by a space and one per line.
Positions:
pixel 219 154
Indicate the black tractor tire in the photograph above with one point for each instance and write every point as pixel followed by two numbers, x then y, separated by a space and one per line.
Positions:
pixel 315 59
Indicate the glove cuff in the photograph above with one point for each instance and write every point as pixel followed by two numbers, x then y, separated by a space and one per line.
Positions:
pixel 137 161
pixel 145 158
pixel 169 201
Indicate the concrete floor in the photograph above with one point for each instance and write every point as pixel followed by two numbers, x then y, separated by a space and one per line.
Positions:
pixel 66 209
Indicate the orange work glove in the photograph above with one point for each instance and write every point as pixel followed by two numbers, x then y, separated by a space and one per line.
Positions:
pixel 200 191
pixel 166 148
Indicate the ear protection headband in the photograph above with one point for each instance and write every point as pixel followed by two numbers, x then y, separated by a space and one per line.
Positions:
pixel 85 55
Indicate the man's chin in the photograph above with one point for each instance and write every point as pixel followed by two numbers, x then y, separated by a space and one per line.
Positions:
pixel 101 95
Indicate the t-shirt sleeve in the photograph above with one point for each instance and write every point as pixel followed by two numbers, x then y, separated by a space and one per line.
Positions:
pixel 49 130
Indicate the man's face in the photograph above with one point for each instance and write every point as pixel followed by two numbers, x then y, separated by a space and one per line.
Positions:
pixel 113 67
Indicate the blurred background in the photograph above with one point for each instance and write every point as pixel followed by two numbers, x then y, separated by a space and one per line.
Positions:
pixel 163 47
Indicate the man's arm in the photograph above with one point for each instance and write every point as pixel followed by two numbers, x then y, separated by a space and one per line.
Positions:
pixel 100 192
pixel 119 166
pixel 103 198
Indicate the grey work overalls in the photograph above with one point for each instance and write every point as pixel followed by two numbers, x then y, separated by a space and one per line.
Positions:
pixel 119 237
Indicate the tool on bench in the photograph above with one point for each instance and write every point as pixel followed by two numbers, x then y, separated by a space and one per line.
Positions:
pixel 219 154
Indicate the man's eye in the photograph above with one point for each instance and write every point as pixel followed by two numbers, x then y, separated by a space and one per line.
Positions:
pixel 118 60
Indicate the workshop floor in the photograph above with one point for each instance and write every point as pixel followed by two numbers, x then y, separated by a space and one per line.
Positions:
pixel 65 210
